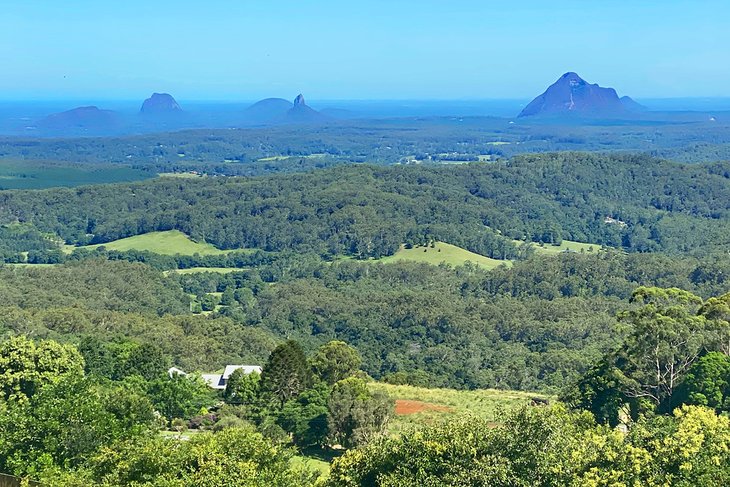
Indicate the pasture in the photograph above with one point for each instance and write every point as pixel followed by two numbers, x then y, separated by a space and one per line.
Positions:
pixel 170 242
pixel 443 253
pixel 196 270
pixel 566 246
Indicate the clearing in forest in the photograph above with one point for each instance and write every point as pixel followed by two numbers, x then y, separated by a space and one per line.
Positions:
pixel 446 253
pixel 170 242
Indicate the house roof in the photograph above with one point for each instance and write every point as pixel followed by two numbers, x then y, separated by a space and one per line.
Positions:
pixel 247 369
pixel 218 381
pixel 213 380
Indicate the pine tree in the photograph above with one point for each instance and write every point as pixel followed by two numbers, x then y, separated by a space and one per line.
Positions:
pixel 286 374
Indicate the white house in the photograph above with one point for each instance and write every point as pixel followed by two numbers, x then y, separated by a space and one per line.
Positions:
pixel 219 381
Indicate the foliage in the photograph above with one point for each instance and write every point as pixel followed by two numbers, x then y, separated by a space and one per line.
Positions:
pixel 667 337
pixel 242 388
pixel 180 396
pixel 305 416
pixel 614 200
pixel 26 367
pixel 286 374
pixel 334 361
pixel 546 446
pixel 65 422
pixel 92 284
pixel 669 357
pixel 233 456
pixel 357 415
pixel 707 382
pixel 148 361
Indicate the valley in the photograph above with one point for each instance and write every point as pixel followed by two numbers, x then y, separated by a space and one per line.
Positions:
pixel 364 244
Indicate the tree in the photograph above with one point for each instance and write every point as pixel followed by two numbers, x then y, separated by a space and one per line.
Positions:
pixel 180 396
pixel 667 336
pixel 227 298
pixel 287 373
pixel 707 383
pixel 242 388
pixel 65 422
pixel 335 361
pixel 233 456
pixel 305 416
pixel 27 366
pixel 717 311
pixel 355 415
pixel 546 447
pixel 208 302
pixel 147 360
pixel 602 391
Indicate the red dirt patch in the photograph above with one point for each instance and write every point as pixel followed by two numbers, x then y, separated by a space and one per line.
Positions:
pixel 404 407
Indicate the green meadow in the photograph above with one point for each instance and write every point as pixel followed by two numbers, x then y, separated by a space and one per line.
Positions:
pixel 443 253
pixel 170 242
pixel 195 270
pixel 566 246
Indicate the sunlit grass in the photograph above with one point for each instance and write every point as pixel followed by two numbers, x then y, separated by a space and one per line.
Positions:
pixel 443 252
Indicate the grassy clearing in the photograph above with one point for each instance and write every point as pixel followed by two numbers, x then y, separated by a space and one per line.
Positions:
pixel 566 246
pixel 443 252
pixel 310 463
pixel 195 270
pixel 440 404
pixel 180 175
pixel 170 242
pixel 284 158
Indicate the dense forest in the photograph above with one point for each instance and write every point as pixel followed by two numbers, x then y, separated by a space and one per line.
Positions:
pixel 537 325
pixel 632 338
pixel 90 411
pixel 623 201
pixel 681 137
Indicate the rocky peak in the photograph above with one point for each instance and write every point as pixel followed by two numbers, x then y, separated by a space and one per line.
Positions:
pixel 571 94
pixel 160 103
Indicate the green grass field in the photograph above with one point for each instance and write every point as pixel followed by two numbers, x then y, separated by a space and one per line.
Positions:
pixel 195 270
pixel 443 252
pixel 310 463
pixel 440 404
pixel 181 175
pixel 566 246
pixel 24 174
pixel 170 242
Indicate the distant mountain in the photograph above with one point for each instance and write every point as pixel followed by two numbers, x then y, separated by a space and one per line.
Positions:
pixel 302 113
pixel 268 109
pixel 571 95
pixel 160 104
pixel 278 110
pixel 632 105
pixel 81 119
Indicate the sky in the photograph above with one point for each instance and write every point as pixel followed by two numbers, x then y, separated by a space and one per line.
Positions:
pixel 377 49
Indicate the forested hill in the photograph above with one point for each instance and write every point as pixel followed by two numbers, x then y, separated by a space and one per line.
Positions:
pixel 619 200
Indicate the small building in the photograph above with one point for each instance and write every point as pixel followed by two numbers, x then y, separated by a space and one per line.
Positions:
pixel 219 381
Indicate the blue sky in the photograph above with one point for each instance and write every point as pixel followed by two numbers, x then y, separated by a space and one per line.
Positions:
pixel 245 50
